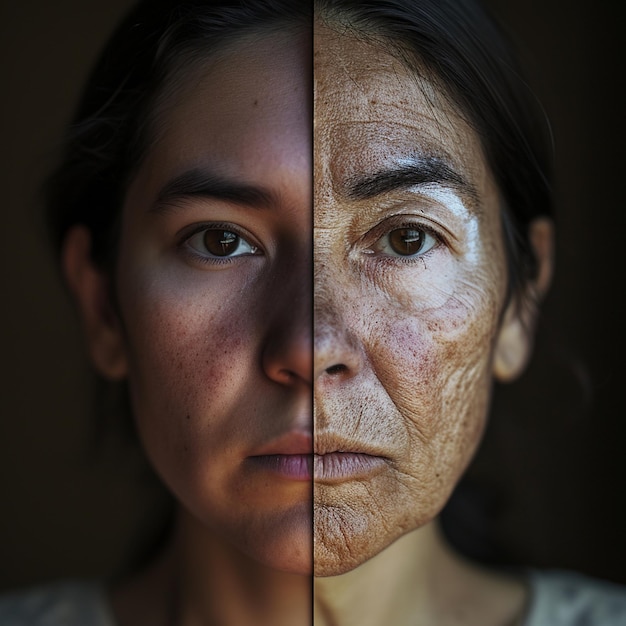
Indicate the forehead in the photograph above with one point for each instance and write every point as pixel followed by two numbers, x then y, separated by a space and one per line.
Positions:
pixel 371 106
pixel 242 112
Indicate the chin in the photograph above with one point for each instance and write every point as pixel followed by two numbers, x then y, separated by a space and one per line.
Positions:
pixel 283 542
pixel 343 540
pixel 346 537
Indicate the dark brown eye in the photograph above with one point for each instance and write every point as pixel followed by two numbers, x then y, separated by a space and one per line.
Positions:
pixel 406 241
pixel 220 243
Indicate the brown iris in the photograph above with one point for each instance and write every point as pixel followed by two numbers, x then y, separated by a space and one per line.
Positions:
pixel 406 241
pixel 221 242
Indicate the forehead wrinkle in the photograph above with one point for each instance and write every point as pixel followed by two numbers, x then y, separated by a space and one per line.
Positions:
pixel 393 110
pixel 397 151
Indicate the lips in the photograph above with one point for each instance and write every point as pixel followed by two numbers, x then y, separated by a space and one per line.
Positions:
pixel 332 459
pixel 327 442
pixel 289 456
pixel 337 467
pixel 337 459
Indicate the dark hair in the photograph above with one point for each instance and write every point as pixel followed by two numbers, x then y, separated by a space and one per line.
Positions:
pixel 156 43
pixel 462 51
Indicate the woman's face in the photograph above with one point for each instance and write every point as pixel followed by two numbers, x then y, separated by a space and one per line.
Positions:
pixel 410 285
pixel 214 290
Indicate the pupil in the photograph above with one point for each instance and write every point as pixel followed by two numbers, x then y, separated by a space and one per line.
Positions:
pixel 221 242
pixel 406 241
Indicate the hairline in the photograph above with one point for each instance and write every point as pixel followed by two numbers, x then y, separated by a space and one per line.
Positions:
pixel 180 72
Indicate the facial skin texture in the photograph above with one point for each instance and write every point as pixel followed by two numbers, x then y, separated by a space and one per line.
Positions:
pixel 217 351
pixel 404 345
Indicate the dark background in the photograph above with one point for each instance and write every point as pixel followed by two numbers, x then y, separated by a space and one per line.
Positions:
pixel 551 475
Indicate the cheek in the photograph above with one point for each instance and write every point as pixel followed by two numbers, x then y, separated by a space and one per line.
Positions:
pixel 178 347
pixel 435 366
pixel 187 348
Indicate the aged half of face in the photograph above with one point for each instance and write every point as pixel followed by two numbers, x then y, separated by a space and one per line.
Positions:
pixel 213 330
pixel 410 287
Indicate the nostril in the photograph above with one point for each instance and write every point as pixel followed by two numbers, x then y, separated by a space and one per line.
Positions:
pixel 336 369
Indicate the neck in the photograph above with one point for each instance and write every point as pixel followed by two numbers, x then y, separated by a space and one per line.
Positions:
pixel 417 579
pixel 378 591
pixel 201 580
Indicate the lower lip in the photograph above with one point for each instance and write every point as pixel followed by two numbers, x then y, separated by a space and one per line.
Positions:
pixel 290 466
pixel 342 466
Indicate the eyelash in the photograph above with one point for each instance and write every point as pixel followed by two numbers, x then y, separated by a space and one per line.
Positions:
pixel 207 258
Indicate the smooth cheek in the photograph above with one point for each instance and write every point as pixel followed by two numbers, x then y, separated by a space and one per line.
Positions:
pixel 191 363
pixel 187 348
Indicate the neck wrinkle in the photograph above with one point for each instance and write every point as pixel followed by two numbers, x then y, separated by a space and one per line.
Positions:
pixel 392 587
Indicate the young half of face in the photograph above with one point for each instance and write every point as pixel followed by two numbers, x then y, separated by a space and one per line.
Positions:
pixel 212 329
pixel 410 287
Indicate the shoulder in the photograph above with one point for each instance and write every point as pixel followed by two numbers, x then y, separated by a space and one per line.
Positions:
pixel 561 598
pixel 67 603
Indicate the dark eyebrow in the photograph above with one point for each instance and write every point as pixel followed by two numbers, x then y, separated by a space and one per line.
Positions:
pixel 204 184
pixel 417 171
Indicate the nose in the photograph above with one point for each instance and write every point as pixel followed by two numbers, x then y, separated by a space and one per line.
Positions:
pixel 288 351
pixel 337 355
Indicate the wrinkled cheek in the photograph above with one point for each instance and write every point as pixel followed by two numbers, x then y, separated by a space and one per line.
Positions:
pixel 410 366
pixel 435 367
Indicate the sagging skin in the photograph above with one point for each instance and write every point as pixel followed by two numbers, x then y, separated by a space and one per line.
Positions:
pixel 412 326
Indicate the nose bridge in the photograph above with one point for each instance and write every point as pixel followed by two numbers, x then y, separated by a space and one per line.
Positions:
pixel 288 349
pixel 336 349
pixel 295 301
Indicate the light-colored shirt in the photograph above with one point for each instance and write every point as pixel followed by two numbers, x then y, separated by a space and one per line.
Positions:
pixel 557 598
pixel 68 603
pixel 561 598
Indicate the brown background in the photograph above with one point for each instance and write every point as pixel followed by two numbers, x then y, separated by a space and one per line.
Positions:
pixel 552 471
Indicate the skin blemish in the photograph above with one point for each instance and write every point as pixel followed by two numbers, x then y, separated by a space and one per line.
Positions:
pixel 207 332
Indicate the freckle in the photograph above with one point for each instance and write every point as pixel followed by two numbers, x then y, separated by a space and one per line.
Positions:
pixel 188 416
pixel 256 102
pixel 373 101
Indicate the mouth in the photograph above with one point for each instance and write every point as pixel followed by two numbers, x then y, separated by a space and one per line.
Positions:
pixel 333 459
pixel 339 466
pixel 337 460
pixel 289 456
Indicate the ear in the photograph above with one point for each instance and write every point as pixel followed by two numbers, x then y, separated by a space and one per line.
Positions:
pixel 91 289
pixel 515 340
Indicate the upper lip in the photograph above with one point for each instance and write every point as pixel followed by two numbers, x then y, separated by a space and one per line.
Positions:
pixel 327 442
pixel 293 442
pixel 324 442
